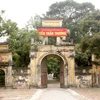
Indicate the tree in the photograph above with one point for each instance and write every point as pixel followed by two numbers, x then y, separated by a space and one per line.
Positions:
pixel 51 40
pixel 92 43
pixel 70 10
pixel 34 23
pixel 19 43
pixel 91 23
pixel 72 13
pixel 7 27
pixel 91 26
pixel 53 65
pixel 19 40
pixel 82 59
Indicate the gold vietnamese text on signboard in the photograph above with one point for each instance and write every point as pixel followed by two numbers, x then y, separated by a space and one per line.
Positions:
pixel 52 32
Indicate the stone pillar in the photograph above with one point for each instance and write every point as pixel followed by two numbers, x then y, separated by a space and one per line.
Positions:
pixel 33 77
pixel 66 76
pixel 71 72
pixel 46 40
pixel 39 76
pixel 58 41
pixel 32 74
pixel 33 55
pixel 8 77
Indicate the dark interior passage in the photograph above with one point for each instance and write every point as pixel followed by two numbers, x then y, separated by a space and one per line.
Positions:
pixel 2 78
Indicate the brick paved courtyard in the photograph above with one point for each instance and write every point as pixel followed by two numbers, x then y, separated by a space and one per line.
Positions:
pixel 90 93
pixel 16 94
pixel 26 94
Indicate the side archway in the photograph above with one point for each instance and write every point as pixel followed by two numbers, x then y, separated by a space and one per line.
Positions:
pixel 2 78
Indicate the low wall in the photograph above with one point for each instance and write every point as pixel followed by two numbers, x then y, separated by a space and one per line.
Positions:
pixel 83 77
pixel 20 77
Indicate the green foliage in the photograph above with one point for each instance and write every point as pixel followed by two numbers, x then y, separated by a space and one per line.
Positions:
pixel 19 43
pixel 53 65
pixel 79 18
pixel 35 47
pixel 91 22
pixel 70 10
pixel 92 43
pixel 34 23
pixel 72 13
pixel 82 58
pixel 19 40
pixel 7 27
pixel 90 25
pixel 52 40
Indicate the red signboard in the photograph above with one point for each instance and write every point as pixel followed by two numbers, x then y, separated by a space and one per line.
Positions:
pixel 52 31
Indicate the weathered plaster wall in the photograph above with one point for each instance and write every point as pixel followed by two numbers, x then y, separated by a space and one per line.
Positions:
pixel 20 77
pixel 83 77
pixel 65 52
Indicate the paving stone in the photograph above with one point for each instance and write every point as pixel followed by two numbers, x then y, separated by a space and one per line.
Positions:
pixel 16 94
pixel 26 94
pixel 90 93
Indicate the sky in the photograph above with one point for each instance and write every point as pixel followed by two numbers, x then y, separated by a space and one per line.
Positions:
pixel 20 11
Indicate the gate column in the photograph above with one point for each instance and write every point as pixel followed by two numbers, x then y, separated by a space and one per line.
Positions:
pixel 8 76
pixel 33 65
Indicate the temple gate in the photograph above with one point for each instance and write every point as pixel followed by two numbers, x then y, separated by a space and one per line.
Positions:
pixel 6 65
pixel 63 50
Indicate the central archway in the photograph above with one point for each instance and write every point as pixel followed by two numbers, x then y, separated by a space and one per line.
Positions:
pixel 43 70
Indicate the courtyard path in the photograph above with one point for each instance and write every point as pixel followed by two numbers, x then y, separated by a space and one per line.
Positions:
pixel 53 91
pixel 56 94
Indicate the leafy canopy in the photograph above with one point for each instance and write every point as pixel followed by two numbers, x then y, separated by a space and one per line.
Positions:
pixel 72 13
pixel 53 65
pixel 93 44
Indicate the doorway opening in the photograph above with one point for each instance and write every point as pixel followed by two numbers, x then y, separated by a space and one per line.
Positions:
pixel 2 78
pixel 52 71
pixel 53 68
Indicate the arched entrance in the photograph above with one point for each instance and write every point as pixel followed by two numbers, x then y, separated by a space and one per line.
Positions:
pixel 2 78
pixel 43 70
